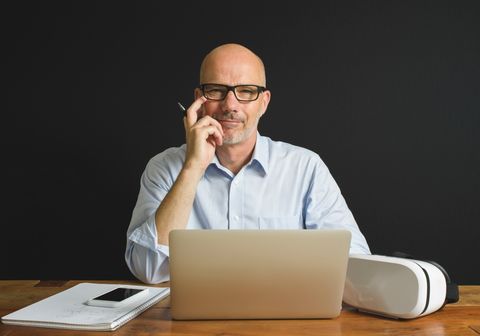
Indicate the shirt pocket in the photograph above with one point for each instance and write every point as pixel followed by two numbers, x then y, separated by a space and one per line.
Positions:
pixel 284 222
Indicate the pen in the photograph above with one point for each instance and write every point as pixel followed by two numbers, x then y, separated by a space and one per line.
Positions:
pixel 183 109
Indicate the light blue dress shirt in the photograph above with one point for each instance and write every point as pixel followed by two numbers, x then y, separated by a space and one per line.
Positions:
pixel 282 187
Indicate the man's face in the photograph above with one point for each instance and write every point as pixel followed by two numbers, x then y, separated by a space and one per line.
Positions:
pixel 239 120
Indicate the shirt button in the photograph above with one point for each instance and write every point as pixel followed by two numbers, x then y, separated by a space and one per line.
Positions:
pixel 236 218
pixel 235 182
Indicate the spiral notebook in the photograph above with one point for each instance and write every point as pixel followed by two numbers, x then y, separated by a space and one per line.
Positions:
pixel 67 309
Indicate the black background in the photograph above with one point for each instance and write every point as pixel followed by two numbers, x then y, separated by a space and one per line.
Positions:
pixel 386 92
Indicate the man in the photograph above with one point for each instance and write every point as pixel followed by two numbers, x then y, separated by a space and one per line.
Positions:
pixel 227 176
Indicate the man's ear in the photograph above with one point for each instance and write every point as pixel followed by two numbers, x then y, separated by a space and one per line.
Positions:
pixel 266 95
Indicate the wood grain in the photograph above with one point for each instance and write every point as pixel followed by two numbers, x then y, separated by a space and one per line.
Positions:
pixel 455 319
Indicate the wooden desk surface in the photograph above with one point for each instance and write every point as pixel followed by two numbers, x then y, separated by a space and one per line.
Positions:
pixel 462 318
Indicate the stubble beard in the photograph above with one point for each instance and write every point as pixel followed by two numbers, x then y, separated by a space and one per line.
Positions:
pixel 240 136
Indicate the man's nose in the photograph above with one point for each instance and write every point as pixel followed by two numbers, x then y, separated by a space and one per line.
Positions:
pixel 230 101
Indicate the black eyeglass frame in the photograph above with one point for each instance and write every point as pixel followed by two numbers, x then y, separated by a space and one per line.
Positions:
pixel 260 89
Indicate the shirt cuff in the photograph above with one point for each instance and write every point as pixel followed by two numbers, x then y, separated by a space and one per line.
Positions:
pixel 146 235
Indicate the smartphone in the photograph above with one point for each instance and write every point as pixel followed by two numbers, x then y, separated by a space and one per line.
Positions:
pixel 118 297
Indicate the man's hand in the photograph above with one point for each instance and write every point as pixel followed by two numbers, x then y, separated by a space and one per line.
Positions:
pixel 203 135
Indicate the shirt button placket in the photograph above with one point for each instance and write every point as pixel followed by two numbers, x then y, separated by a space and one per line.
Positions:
pixel 234 205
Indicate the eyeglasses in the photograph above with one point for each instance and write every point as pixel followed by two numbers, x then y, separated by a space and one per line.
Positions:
pixel 243 93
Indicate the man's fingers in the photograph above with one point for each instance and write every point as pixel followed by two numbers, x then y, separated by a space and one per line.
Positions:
pixel 210 131
pixel 205 128
pixel 192 111
pixel 216 135
pixel 209 121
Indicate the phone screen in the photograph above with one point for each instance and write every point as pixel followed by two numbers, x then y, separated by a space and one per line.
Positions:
pixel 118 294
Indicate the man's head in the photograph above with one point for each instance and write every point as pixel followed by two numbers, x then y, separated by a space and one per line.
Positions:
pixel 232 65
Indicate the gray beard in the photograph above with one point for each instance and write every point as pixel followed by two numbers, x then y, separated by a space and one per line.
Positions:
pixel 240 137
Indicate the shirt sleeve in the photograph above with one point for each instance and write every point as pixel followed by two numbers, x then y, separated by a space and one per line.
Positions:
pixel 145 258
pixel 325 208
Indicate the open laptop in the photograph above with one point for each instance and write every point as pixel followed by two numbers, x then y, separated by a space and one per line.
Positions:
pixel 257 274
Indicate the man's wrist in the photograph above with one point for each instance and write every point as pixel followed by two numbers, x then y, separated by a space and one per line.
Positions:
pixel 192 172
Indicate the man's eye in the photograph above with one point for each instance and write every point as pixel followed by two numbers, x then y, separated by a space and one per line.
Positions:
pixel 216 90
pixel 247 91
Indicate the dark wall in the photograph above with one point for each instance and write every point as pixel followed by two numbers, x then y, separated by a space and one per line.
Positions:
pixel 386 92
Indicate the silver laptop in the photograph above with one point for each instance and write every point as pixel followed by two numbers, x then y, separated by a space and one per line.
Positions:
pixel 257 274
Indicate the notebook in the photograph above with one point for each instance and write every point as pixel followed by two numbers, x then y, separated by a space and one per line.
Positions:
pixel 68 309
pixel 257 274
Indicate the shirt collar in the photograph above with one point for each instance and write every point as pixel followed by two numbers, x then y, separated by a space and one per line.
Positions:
pixel 260 153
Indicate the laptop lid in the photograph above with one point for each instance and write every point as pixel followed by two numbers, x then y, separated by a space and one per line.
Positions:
pixel 257 274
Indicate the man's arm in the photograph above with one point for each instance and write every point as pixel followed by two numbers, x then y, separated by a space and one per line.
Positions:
pixel 167 191
pixel 326 208
pixel 174 211
pixel 202 137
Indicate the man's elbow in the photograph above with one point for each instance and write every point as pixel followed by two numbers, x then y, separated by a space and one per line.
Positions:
pixel 150 279
pixel 150 268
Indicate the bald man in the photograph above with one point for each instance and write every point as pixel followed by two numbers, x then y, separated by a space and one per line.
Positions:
pixel 228 176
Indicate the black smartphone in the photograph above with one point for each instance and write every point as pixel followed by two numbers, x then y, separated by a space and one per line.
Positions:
pixel 117 297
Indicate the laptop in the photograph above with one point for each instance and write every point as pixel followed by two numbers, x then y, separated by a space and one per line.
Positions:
pixel 257 274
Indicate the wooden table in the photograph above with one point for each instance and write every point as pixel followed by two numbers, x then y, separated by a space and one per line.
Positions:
pixel 462 318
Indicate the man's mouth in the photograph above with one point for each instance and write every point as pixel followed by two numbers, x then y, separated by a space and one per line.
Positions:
pixel 227 121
